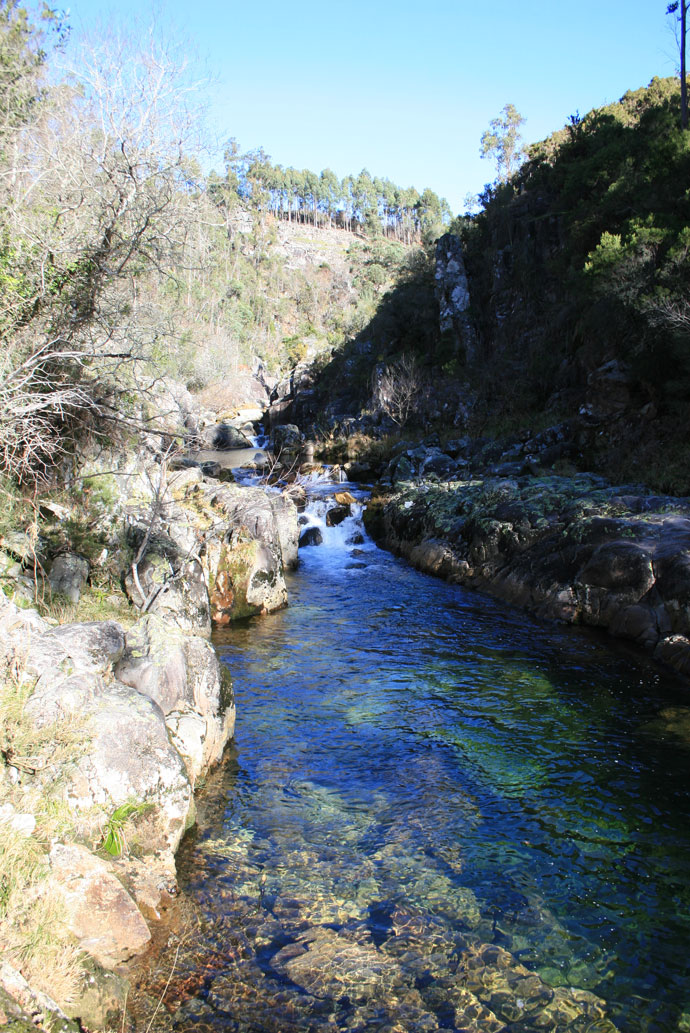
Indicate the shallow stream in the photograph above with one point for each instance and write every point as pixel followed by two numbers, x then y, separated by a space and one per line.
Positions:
pixel 437 813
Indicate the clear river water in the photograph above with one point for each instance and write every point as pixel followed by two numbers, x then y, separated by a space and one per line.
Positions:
pixel 437 814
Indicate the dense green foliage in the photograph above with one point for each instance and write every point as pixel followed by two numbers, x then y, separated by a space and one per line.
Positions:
pixel 583 258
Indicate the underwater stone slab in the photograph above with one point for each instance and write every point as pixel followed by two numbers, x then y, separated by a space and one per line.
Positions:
pixel 329 965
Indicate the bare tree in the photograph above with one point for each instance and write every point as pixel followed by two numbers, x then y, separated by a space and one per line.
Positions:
pixel 398 389
pixel 680 9
pixel 97 195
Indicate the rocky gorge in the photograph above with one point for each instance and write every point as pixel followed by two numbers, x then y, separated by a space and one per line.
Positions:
pixel 123 717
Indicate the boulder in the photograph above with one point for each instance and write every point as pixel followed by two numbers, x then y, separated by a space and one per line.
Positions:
pixel 438 463
pixel 400 469
pixel 336 515
pixel 327 964
pixel 68 575
pixel 357 470
pixel 100 999
pixel 101 915
pixel 286 438
pixel 311 536
pixel 223 437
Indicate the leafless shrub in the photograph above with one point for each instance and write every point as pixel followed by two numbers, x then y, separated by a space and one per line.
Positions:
pixel 398 389
pixel 96 198
pixel 671 313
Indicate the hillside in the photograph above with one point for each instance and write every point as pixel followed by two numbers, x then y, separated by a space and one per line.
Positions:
pixel 578 273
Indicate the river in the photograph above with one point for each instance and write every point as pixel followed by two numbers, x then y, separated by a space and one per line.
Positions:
pixel 437 813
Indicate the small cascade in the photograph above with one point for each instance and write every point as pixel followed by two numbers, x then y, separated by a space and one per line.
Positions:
pixel 260 439
pixel 332 532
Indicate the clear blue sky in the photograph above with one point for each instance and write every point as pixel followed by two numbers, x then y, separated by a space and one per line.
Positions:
pixel 406 89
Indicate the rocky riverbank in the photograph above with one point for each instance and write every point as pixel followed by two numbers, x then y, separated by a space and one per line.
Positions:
pixel 573 548
pixel 108 725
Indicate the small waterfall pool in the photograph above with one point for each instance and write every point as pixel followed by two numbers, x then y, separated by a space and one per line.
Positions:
pixel 437 814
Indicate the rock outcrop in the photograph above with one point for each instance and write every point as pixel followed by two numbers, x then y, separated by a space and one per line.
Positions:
pixel 212 550
pixel 144 713
pixel 574 549
pixel 453 294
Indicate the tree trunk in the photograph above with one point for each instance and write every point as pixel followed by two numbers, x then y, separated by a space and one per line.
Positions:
pixel 684 4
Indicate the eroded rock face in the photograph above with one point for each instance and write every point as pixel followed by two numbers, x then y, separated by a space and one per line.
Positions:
pixel 574 549
pixel 100 913
pixel 453 293
pixel 183 676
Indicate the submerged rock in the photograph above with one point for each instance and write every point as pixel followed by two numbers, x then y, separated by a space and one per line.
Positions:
pixel 311 536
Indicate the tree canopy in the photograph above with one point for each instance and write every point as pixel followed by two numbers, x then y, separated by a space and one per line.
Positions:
pixel 361 202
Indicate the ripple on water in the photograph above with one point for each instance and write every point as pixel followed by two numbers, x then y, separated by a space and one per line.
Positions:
pixel 438 815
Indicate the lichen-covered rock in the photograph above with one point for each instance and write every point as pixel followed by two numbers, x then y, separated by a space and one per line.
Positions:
pixel 574 549
pixel 247 579
pixel 68 664
pixel 173 588
pixel 68 575
pixel 130 757
pixel 100 913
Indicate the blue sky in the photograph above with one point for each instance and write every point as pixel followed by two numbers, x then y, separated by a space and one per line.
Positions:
pixel 405 89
